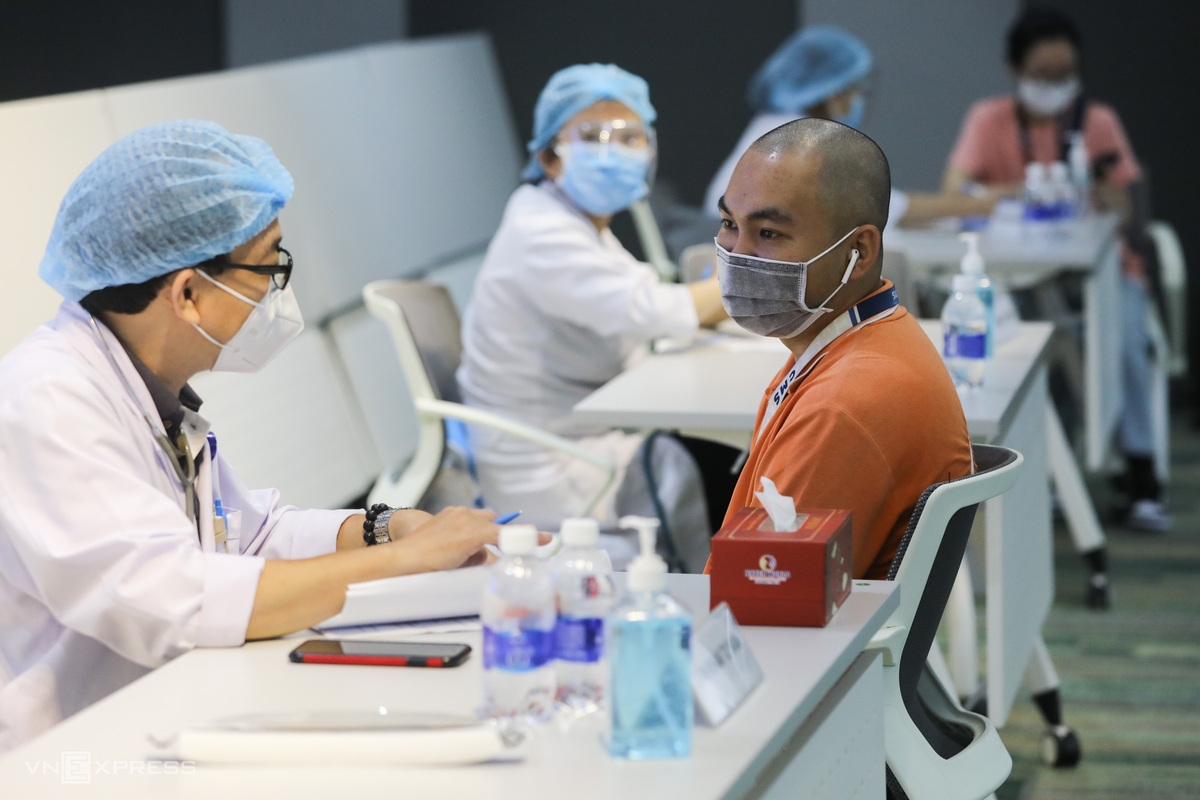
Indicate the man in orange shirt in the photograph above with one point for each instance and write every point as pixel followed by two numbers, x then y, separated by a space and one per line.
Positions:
pixel 864 415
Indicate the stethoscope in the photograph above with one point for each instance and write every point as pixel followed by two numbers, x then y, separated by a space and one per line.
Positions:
pixel 177 457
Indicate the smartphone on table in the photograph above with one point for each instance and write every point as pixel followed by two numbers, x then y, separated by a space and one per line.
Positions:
pixel 384 654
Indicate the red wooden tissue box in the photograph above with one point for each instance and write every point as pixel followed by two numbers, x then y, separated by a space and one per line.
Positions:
pixel 794 578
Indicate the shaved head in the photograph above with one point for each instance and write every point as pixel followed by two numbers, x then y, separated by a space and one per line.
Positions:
pixel 854 181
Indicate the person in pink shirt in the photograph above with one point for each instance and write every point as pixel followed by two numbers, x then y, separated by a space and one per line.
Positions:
pixel 1001 135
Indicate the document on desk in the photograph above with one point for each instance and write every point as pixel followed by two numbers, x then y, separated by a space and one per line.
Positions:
pixel 409 598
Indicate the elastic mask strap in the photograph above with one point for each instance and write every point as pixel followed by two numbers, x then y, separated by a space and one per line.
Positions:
pixel 236 294
pixel 206 335
pixel 827 250
pixel 250 302
pixel 844 281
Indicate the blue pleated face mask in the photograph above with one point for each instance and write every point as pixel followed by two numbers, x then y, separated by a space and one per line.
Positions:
pixel 606 164
pixel 603 179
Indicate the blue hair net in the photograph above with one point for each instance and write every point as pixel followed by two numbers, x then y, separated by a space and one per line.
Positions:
pixel 573 89
pixel 814 64
pixel 162 198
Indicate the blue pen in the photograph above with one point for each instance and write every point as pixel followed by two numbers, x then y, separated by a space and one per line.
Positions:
pixel 507 518
pixel 218 509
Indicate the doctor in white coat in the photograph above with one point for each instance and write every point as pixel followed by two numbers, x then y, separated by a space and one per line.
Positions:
pixel 560 307
pixel 115 554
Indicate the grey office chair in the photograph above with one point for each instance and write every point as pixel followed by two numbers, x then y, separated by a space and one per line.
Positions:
pixel 424 325
pixel 935 748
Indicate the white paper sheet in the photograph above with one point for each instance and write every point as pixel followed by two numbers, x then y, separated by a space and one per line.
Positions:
pixel 429 596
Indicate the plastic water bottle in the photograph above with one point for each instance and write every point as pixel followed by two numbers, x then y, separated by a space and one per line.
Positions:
pixel 1081 168
pixel 518 618
pixel 964 322
pixel 1036 191
pixel 650 643
pixel 583 580
pixel 1062 192
pixel 972 264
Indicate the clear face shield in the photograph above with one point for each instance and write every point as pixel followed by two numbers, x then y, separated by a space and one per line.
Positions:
pixel 612 139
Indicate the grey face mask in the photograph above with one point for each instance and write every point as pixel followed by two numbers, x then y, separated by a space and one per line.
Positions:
pixel 766 297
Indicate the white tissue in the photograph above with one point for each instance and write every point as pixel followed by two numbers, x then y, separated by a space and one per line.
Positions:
pixel 781 510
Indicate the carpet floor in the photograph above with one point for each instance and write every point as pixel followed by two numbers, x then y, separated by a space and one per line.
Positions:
pixel 1130 675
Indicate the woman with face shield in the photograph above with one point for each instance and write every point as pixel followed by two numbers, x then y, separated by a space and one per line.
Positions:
pixel 560 307
pixel 1038 123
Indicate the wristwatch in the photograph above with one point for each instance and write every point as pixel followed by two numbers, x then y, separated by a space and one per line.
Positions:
pixel 375 526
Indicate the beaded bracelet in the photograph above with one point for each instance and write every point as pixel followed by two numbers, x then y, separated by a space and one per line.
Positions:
pixel 375 525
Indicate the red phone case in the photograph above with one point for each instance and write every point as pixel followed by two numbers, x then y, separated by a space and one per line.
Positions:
pixel 378 661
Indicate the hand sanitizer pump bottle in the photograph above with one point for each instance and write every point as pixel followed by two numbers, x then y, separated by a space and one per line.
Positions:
pixel 649 640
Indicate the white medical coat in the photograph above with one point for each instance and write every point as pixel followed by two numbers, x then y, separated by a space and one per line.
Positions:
pixel 102 574
pixel 557 311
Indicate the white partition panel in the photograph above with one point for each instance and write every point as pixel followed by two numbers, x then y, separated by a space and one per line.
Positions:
pixel 45 143
pixel 311 112
pixel 403 153
pixel 292 426
pixel 442 111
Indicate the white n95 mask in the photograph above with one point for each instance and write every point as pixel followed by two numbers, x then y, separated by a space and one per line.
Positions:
pixel 1046 98
pixel 766 297
pixel 271 326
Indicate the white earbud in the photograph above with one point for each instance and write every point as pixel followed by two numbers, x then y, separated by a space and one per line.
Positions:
pixel 850 268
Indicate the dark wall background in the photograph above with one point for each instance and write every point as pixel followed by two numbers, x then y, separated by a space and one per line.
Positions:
pixel 1141 58
pixel 697 56
pixel 56 46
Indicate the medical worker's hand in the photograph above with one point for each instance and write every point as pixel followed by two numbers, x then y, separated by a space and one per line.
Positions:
pixel 405 521
pixel 452 538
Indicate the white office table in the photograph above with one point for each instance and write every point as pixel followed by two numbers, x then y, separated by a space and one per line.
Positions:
pixel 1089 246
pixel 710 388
pixel 813 726
pixel 713 387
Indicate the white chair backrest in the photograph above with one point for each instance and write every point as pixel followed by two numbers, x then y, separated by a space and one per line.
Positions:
pixel 997 471
pixel 425 329
pixel 384 300
pixel 365 347
pixel 458 276
pixel 1173 275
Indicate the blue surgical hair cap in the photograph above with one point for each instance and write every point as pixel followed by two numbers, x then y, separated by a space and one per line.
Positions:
pixel 814 64
pixel 573 89
pixel 162 198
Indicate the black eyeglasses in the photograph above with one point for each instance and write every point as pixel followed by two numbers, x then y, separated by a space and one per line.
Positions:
pixel 280 274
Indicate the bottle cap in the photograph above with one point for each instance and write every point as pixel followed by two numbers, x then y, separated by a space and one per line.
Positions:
pixel 580 532
pixel 518 540
pixel 972 261
pixel 647 572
